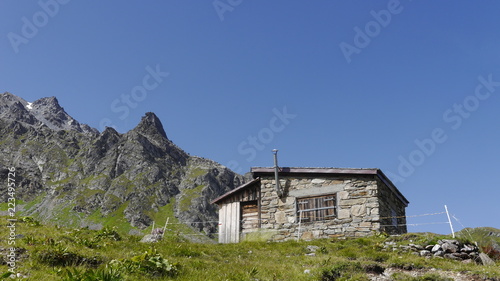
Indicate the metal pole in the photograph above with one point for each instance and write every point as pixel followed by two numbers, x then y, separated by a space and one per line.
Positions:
pixel 449 220
pixel 276 170
pixel 298 230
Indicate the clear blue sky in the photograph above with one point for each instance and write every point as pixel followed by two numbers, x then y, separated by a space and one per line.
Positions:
pixel 406 86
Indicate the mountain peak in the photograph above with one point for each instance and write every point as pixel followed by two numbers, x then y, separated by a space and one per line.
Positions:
pixel 13 107
pixel 150 125
pixel 50 113
pixel 51 102
pixel 45 111
pixel 7 100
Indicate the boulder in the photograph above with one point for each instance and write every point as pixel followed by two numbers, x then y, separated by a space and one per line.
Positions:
pixel 425 253
pixel 451 257
pixel 449 247
pixel 150 238
pixel 439 253
pixel 418 247
pixel 312 249
pixel 485 259
pixel 436 248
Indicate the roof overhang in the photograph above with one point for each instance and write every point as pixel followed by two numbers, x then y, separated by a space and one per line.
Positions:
pixel 236 190
pixel 292 170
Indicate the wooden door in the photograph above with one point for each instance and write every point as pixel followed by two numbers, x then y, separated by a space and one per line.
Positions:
pixel 229 223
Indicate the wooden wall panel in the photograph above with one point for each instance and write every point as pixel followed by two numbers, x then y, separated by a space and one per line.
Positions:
pixel 229 225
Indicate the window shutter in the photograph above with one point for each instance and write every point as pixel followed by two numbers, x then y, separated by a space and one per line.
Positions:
pixel 319 208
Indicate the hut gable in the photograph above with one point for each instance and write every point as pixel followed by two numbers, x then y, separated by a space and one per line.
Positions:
pixel 311 203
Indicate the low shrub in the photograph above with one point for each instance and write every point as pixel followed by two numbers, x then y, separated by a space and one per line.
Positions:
pixel 30 221
pixel 104 274
pixel 60 256
pixel 150 263
pixel 491 251
pixel 30 240
pixel 108 233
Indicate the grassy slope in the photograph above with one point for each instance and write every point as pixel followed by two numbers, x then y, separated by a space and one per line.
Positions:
pixel 482 235
pixel 244 261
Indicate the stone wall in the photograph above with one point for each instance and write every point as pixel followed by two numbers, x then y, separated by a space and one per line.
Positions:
pixel 392 211
pixel 358 207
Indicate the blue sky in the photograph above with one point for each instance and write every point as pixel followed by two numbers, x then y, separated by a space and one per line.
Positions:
pixel 409 87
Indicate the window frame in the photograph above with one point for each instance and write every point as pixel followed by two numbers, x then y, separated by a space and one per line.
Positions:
pixel 315 209
pixel 394 218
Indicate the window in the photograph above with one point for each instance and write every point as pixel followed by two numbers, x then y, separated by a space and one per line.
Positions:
pixel 394 217
pixel 318 208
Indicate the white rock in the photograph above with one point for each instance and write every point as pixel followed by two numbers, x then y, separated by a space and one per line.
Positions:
pixel 436 248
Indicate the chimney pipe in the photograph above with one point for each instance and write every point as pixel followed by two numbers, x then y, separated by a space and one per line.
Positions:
pixel 276 170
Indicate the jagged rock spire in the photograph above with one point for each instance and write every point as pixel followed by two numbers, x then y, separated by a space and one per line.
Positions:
pixel 151 125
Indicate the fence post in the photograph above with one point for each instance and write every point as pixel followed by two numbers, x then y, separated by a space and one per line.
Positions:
pixel 449 220
pixel 165 227
pixel 298 229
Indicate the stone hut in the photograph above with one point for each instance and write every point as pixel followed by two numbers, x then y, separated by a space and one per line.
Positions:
pixel 311 203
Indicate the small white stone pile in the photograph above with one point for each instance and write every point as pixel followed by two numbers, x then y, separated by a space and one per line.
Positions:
pixel 445 248
pixel 451 249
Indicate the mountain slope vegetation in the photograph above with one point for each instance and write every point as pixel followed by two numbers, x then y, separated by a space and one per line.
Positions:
pixel 59 253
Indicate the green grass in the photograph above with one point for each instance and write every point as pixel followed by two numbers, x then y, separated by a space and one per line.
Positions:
pixel 479 235
pixel 188 195
pixel 64 215
pixel 124 184
pixel 61 183
pixel 35 202
pixel 56 253
pixel 196 172
pixel 115 219
pixel 174 228
pixel 5 206
pixel 93 180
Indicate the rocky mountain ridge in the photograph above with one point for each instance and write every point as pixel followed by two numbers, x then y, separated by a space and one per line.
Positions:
pixel 45 111
pixel 71 174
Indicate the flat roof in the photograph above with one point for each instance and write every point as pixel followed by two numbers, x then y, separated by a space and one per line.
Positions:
pixel 297 170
